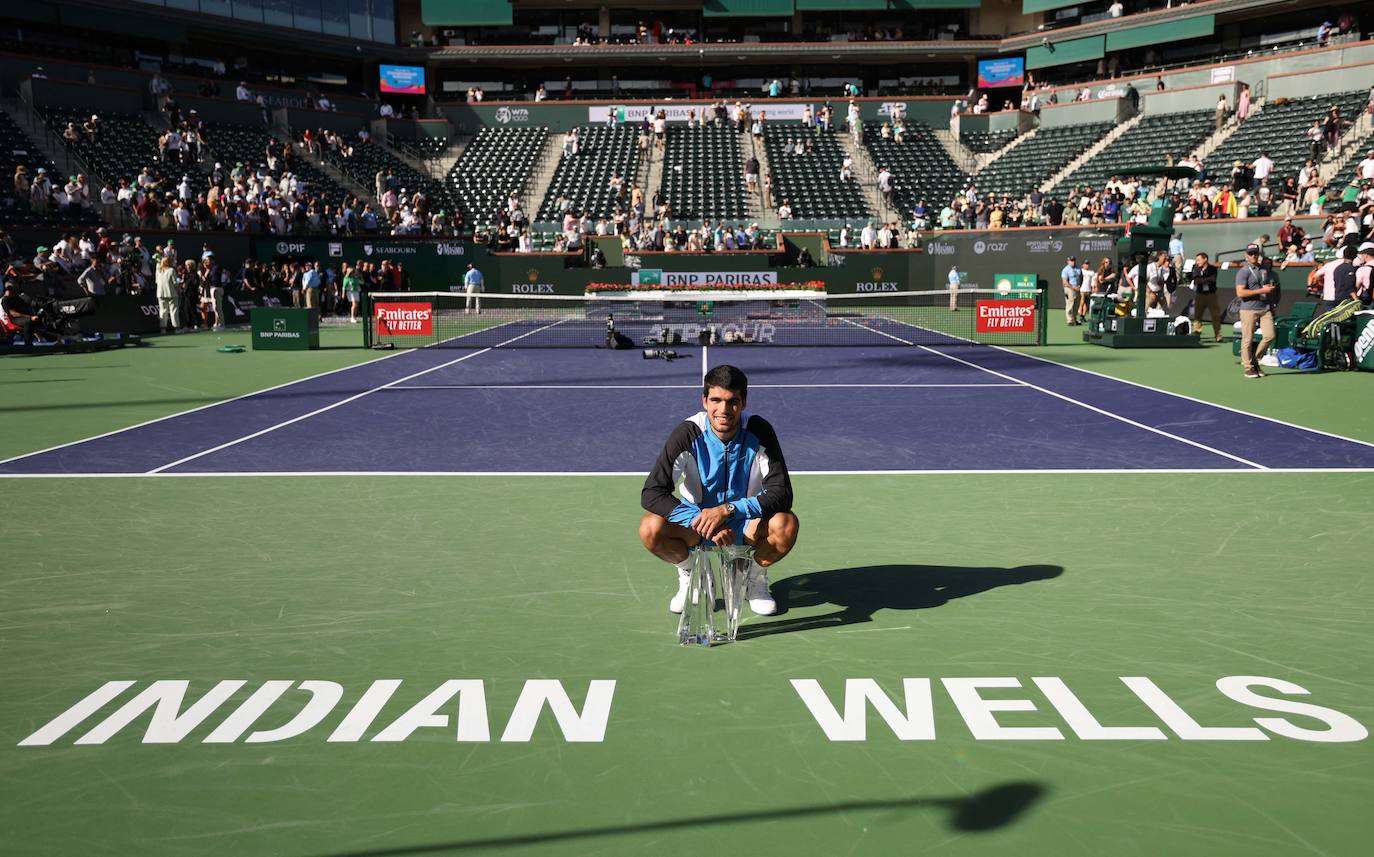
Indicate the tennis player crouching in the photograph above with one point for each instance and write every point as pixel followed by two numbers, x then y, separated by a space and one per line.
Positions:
pixel 734 487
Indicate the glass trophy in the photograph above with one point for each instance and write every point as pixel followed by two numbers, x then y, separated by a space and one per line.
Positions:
pixel 715 594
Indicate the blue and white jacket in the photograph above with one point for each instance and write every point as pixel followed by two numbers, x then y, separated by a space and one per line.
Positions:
pixel 748 471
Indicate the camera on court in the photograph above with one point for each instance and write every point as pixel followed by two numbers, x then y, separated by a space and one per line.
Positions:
pixel 660 354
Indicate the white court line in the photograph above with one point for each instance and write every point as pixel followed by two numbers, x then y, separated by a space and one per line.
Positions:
pixel 704 368
pixel 1184 396
pixel 352 398
pixel 370 362
pixel 1074 401
pixel 673 386
pixel 636 474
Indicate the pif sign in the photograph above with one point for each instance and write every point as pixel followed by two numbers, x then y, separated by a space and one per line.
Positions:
pixel 1006 316
pixel 405 319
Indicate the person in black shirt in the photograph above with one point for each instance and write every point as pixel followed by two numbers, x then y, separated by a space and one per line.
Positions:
pixel 20 313
pixel 1205 285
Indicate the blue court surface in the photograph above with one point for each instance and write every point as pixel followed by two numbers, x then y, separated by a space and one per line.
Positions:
pixel 950 408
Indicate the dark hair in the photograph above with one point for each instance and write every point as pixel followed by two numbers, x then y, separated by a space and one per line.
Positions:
pixel 729 377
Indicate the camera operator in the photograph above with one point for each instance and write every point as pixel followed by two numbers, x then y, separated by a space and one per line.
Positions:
pixel 21 314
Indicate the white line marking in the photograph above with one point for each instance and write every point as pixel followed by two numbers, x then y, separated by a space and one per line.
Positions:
pixel 1183 396
pixel 1102 411
pixel 1074 401
pixel 869 630
pixel 639 474
pixel 704 368
pixel 352 398
pixel 368 362
pixel 674 386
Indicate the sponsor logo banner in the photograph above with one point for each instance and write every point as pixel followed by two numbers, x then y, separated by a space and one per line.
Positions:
pixel 405 319
pixel 1005 316
pixel 516 115
pixel 678 112
pixel 702 279
pixel 390 249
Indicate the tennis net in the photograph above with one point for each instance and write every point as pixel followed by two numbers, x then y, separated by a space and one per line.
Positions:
pixel 665 320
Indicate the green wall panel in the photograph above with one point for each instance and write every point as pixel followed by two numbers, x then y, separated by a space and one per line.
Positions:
pixel 1063 53
pixel 840 5
pixel 917 5
pixel 747 8
pixel 1029 6
pixel 1161 33
pixel 466 13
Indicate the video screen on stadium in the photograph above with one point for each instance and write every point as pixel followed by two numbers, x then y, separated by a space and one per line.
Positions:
pixel 403 79
pixel 1001 72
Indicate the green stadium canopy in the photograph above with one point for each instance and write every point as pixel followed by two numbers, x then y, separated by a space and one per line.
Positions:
pixel 466 13
pixel 747 8
pixel 1028 6
pixel 917 5
pixel 841 5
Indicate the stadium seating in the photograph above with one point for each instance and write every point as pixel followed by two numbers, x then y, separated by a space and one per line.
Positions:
pixel 585 178
pixel 811 183
pixel 1279 130
pixel 496 161
pixel 424 148
pixel 126 145
pixel 984 142
pixel 231 144
pixel 1144 145
pixel 703 173
pixel 370 158
pixel 1033 161
pixel 1347 172
pixel 17 149
pixel 922 166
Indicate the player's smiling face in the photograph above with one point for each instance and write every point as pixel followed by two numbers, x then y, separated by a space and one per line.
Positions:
pixel 723 408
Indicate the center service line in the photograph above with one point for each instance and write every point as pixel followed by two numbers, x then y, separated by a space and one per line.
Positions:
pixel 352 398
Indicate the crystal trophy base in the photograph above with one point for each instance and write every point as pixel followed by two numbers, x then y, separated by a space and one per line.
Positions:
pixel 715 595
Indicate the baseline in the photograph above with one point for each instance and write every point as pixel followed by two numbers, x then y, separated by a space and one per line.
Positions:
pixel 341 402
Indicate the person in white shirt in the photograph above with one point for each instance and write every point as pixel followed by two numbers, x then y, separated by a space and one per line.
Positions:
pixel 1116 10
pixel 869 237
pixel 846 235
pixel 1365 168
pixel 242 93
pixel 1086 288
pixel 1262 166
pixel 785 211
pixel 1156 282
pixel 847 169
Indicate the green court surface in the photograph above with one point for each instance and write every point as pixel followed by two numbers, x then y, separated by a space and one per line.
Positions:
pixel 1041 591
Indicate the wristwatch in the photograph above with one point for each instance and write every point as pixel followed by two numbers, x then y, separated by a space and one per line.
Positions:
pixel 729 509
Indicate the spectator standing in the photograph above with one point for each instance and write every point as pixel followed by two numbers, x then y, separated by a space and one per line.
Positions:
pixel 311 281
pixel 1086 288
pixel 168 295
pixel 1221 112
pixel 953 282
pixel 1243 103
pixel 1071 279
pixel 472 286
pixel 1205 287
pixel 1258 293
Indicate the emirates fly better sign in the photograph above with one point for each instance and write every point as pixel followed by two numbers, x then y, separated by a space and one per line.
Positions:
pixel 1015 316
pixel 405 319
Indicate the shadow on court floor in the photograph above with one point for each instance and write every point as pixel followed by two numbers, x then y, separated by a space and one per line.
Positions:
pixel 862 591
pixel 986 810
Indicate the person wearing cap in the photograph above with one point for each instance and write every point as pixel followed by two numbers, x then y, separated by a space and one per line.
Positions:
pixel 1364 274
pixel 1071 279
pixel 1258 294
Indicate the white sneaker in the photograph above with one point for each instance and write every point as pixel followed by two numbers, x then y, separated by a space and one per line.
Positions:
pixel 756 590
pixel 684 579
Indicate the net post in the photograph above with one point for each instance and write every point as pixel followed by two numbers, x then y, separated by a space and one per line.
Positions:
pixel 367 318
pixel 1042 299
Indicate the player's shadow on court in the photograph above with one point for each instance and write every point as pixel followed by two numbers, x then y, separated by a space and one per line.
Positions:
pixel 861 592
